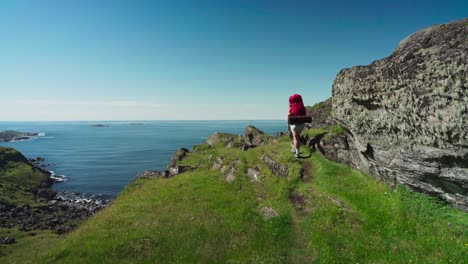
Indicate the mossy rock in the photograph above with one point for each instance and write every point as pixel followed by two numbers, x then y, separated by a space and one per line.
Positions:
pixel 201 147
pixel 221 139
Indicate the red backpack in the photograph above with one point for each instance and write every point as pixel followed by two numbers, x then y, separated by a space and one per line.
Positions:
pixel 296 106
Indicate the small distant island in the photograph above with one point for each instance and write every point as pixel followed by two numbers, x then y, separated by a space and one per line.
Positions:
pixel 130 124
pixel 10 135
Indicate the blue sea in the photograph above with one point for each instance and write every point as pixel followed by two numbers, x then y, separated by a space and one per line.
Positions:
pixel 103 160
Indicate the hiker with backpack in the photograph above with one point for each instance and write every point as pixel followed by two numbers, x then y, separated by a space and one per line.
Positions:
pixel 296 121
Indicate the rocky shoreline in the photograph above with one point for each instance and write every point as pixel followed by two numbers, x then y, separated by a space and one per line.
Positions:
pixel 59 212
pixel 8 136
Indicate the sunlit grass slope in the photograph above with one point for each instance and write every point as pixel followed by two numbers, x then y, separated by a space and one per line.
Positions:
pixel 17 178
pixel 325 213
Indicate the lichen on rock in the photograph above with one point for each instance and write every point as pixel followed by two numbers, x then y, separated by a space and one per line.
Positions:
pixel 407 114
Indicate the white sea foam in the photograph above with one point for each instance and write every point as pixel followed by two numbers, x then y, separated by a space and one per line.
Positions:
pixel 57 178
pixel 39 135
pixel 20 140
pixel 82 198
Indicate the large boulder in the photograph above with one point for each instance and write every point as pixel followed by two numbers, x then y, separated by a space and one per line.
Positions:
pixel 255 137
pixel 46 193
pixel 407 114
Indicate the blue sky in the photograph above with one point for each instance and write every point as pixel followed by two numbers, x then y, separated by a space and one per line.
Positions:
pixel 151 60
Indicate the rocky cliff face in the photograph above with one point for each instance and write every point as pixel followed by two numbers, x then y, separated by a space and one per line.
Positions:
pixel 407 114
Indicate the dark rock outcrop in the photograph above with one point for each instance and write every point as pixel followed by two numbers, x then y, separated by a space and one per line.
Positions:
pixel 321 114
pixel 7 240
pixel 152 174
pixel 174 166
pixel 45 193
pixel 253 137
pixel 406 115
pixel 335 147
pixel 275 167
pixel 58 215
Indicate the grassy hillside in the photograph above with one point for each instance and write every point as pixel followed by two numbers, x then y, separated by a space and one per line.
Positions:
pixel 17 178
pixel 319 212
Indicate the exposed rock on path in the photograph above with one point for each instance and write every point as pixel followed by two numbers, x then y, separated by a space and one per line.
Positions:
pixel 275 167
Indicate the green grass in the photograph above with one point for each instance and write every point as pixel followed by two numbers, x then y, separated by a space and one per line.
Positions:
pixel 17 178
pixel 335 129
pixel 193 217
pixel 378 224
pixel 219 140
pixel 190 218
pixel 319 105
pixel 28 245
pixel 324 107
pixel 333 214
pixel 330 130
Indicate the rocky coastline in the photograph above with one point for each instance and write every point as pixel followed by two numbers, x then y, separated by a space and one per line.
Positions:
pixel 404 127
pixel 10 135
pixel 59 212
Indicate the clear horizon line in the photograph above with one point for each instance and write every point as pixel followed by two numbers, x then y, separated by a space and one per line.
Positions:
pixel 138 120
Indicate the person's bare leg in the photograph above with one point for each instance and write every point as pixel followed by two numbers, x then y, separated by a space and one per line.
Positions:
pixel 296 141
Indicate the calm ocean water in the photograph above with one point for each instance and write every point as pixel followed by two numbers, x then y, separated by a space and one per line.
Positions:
pixel 102 160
